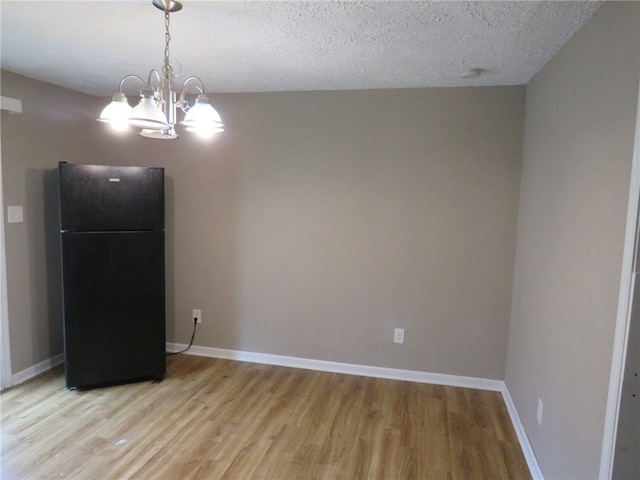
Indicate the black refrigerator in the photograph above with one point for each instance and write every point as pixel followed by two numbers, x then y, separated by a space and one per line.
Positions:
pixel 113 274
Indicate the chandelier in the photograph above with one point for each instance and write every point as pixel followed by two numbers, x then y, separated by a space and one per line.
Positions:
pixel 156 112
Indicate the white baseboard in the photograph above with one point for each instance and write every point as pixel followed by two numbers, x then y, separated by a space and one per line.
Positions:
pixel 527 449
pixel 346 368
pixel 36 369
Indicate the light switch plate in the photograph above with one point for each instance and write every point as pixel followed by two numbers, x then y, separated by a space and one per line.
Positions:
pixel 398 335
pixel 15 214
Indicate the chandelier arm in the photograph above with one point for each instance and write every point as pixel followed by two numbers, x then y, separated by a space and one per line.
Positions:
pixel 155 72
pixel 193 77
pixel 128 77
pixel 183 103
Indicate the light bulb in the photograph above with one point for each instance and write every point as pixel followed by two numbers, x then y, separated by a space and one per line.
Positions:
pixel 146 114
pixel 202 118
pixel 117 112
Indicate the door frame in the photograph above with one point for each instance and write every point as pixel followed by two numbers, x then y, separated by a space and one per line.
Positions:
pixel 13 106
pixel 623 318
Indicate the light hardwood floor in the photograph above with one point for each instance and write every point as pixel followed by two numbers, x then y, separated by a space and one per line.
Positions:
pixel 213 418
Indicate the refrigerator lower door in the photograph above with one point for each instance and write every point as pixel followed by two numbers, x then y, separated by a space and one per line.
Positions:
pixel 114 307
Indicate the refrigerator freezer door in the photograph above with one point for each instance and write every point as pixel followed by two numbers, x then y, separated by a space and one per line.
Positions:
pixel 114 307
pixel 107 198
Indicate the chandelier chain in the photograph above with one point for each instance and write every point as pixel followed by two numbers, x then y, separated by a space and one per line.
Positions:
pixel 167 69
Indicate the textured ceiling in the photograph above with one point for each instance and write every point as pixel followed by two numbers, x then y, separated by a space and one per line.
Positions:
pixel 260 46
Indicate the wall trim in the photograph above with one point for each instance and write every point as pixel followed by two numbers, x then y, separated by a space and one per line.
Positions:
pixel 380 372
pixel 623 316
pixel 346 368
pixel 37 369
pixel 527 449
pixel 5 344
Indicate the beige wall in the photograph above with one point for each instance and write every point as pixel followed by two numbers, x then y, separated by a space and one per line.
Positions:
pixel 55 125
pixel 579 132
pixel 319 222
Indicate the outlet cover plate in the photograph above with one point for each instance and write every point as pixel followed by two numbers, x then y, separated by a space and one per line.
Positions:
pixel 539 412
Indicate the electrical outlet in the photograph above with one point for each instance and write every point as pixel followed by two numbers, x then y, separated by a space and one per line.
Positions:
pixel 539 413
pixel 398 335
pixel 197 315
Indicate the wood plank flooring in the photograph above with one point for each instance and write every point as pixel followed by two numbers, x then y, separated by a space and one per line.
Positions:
pixel 221 419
